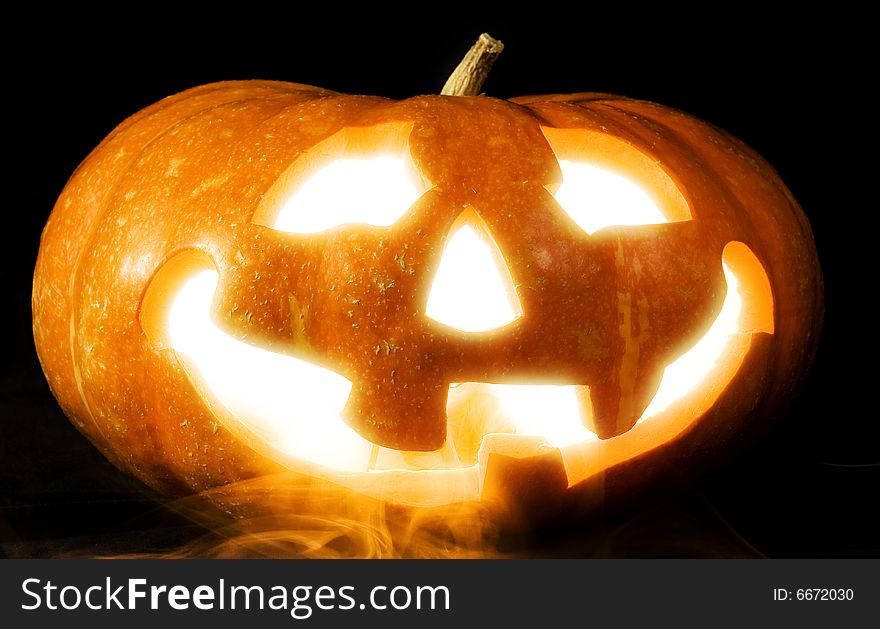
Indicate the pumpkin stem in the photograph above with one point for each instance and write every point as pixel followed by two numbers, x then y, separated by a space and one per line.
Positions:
pixel 471 73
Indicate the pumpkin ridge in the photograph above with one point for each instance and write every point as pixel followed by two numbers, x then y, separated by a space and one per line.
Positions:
pixel 199 90
pixel 732 147
pixel 98 219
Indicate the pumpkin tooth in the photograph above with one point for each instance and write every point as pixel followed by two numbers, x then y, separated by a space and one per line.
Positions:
pixel 616 404
pixel 522 473
pixel 411 418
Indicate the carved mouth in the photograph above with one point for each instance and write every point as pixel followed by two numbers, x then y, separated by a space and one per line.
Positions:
pixel 290 409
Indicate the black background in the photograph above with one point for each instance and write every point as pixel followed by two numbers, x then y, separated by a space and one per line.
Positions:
pixel 794 88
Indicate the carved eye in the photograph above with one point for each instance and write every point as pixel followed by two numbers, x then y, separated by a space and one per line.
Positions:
pixel 607 182
pixel 362 175
pixel 595 198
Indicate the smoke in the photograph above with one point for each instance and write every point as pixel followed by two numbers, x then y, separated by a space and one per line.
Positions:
pixel 290 516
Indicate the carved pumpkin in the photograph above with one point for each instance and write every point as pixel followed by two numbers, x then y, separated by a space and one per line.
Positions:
pixel 426 301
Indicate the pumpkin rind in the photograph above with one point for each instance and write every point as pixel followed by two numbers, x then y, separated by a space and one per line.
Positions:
pixel 189 172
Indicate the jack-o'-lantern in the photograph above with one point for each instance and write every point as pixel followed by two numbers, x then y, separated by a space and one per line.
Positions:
pixel 425 301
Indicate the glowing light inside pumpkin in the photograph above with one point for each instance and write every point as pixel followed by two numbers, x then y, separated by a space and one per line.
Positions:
pixel 690 369
pixel 472 292
pixel 554 412
pixel 254 385
pixel 549 411
pixel 295 406
pixel 374 191
pixel 595 198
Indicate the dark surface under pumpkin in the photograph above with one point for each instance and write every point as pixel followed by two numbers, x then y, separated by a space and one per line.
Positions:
pixel 767 451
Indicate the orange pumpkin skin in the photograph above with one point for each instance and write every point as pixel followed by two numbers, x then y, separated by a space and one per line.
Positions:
pixel 190 171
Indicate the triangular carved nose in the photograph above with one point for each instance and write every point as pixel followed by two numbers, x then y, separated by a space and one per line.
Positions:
pixel 473 290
